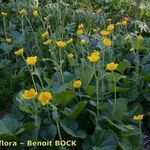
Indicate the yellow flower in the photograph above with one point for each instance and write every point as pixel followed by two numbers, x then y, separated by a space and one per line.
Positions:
pixel 81 26
pixel 77 84
pixel 109 20
pixel 45 34
pixel 8 40
pixel 127 37
pixel 49 26
pixel 46 18
pixel 132 49
pixel 35 13
pixel 140 38
pixel 83 42
pixel 138 118
pixel 31 60
pixel 80 31
pixel 105 33
pixel 70 55
pixel 99 10
pixel 124 22
pixel 4 14
pixel 94 57
pixel 22 12
pixel 110 27
pixel 136 32
pixel 45 98
pixel 106 42
pixel 69 41
pixel 29 94
pixel 48 42
pixel 118 23
pixel 61 44
pixel 95 30
pixel 19 52
pixel 111 66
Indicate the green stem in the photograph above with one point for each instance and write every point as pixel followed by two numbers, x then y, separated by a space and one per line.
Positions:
pixel 4 24
pixel 60 67
pixel 30 73
pixel 48 113
pixel 58 129
pixel 97 93
pixel 115 95
pixel 22 28
pixel 39 77
pixel 141 135
pixel 36 40
pixel 137 66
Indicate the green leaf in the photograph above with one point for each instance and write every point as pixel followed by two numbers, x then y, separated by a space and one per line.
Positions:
pixel 77 110
pixel 147 93
pixel 119 41
pixel 104 140
pixel 10 126
pixel 117 108
pixel 67 112
pixel 112 87
pixel 86 76
pixel 89 89
pixel 131 94
pixel 123 66
pixel 17 37
pixel 146 68
pixel 70 127
pixel 6 47
pixel 62 88
pixel 48 132
pixel 65 97
pixel 4 63
pixel 113 76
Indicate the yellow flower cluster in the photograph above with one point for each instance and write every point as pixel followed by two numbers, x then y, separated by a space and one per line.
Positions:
pixel 80 29
pixel 44 97
pixel 94 57
pixel 22 12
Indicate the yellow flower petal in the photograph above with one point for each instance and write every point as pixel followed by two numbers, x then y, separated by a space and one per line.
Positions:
pixel 31 60
pixel 77 84
pixel 45 98
pixel 19 52
pixel 111 66
pixel 61 44
pixel 29 94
